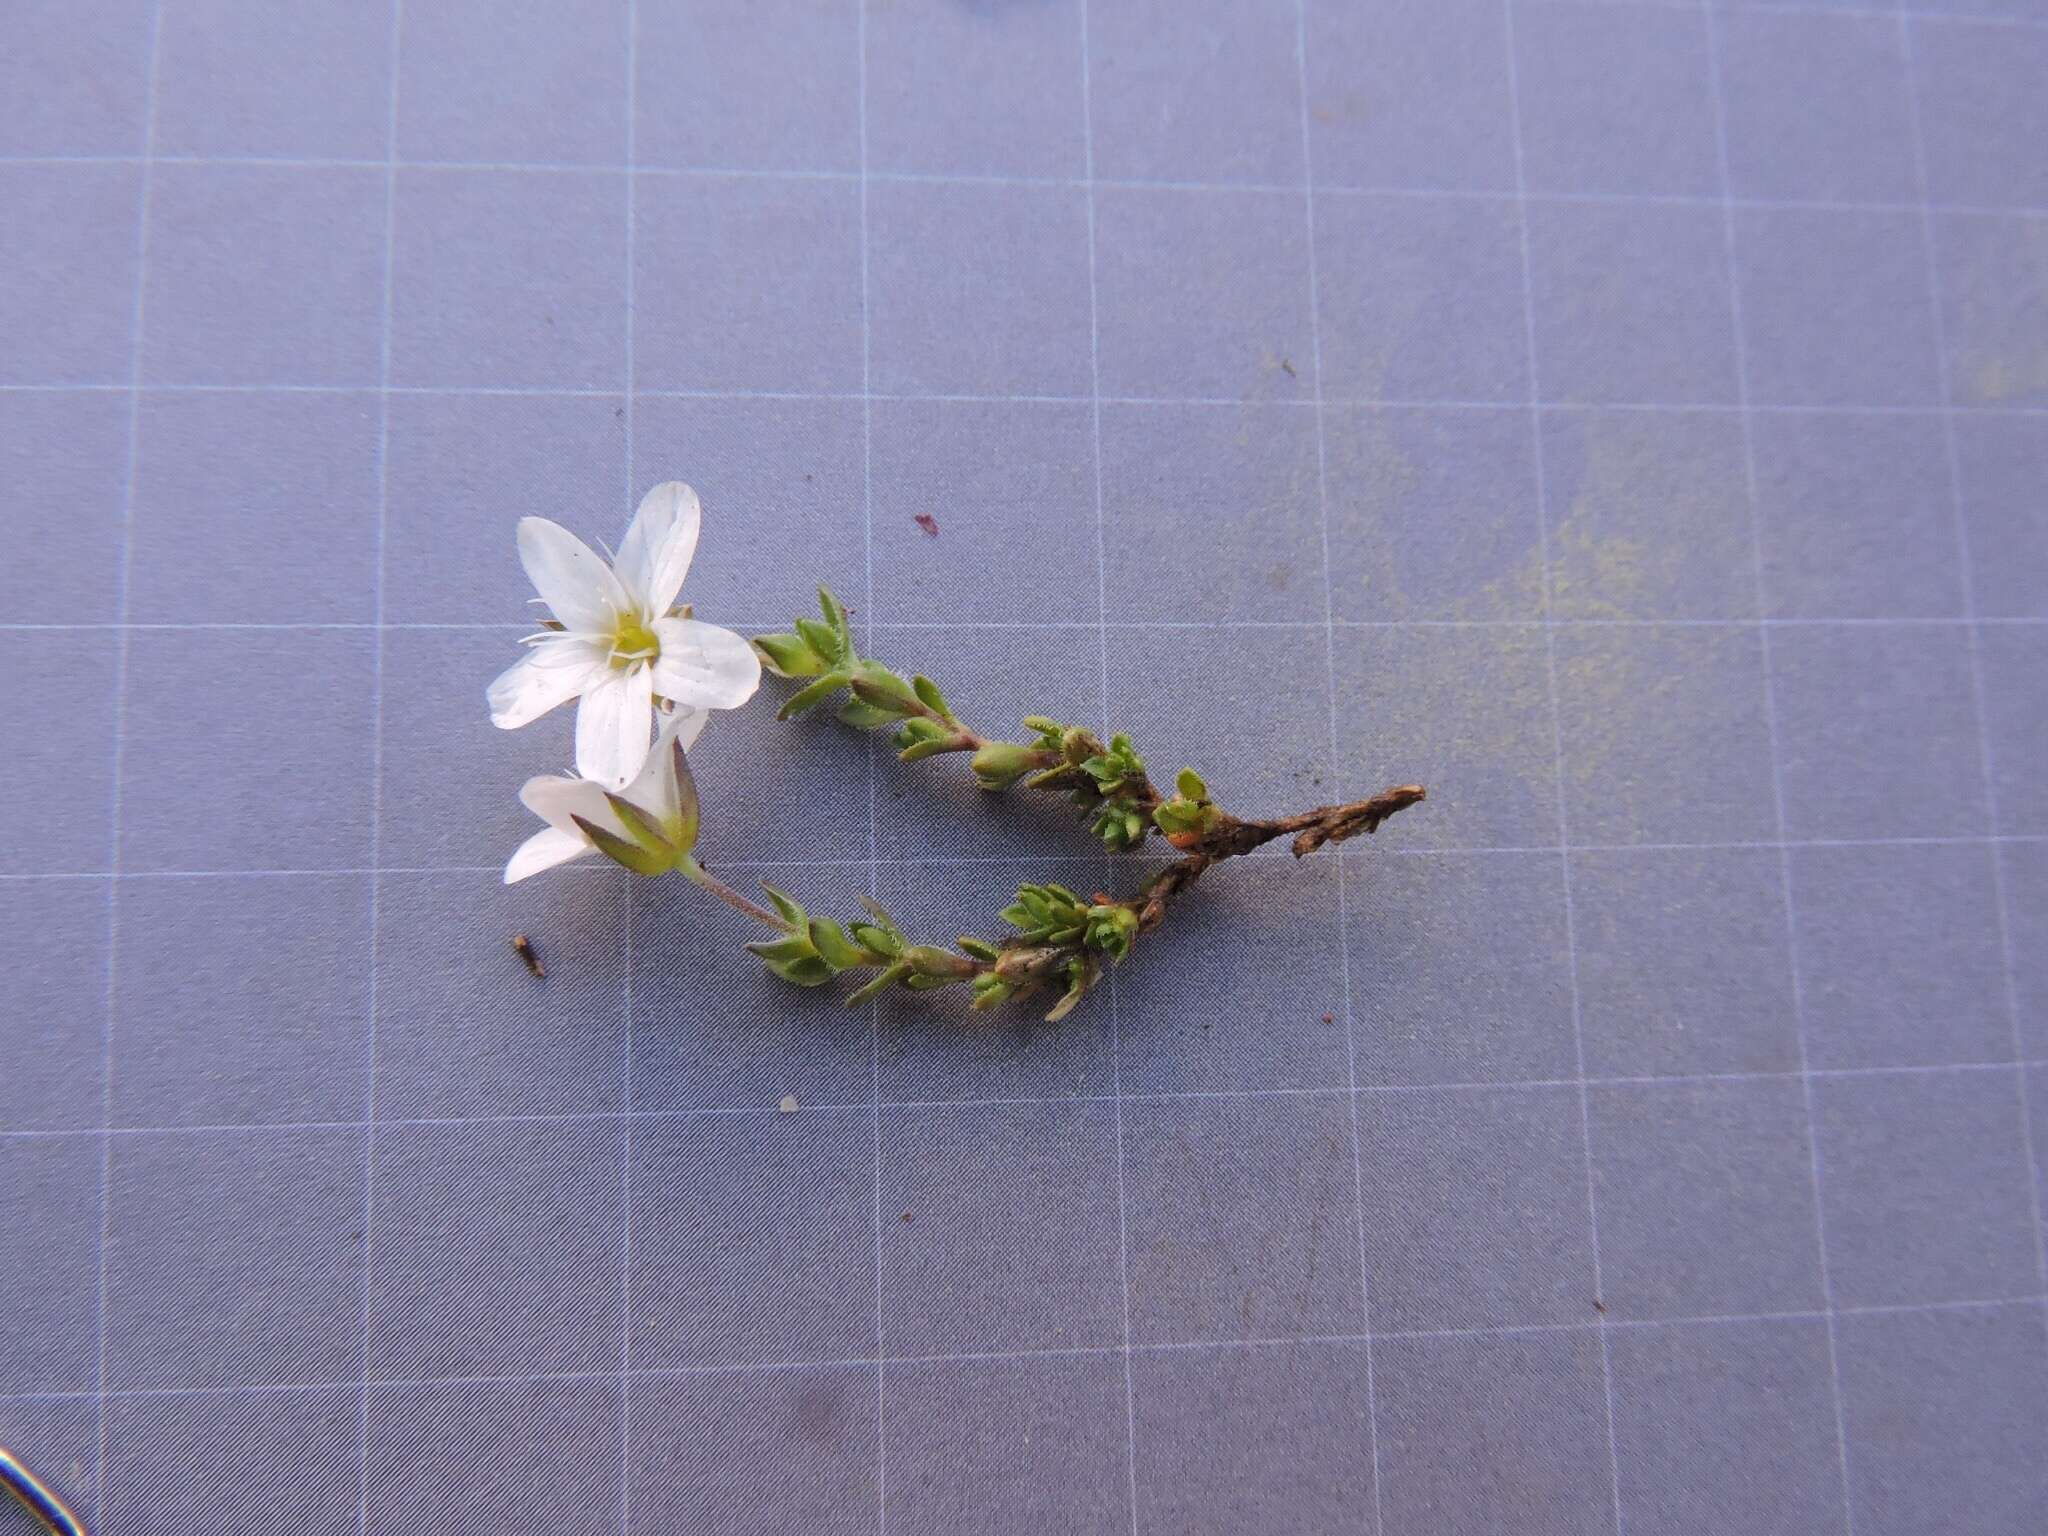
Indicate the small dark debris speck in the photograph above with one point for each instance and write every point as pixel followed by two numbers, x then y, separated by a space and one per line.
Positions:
pixel 909 1215
pixel 1599 1306
pixel 1329 1018
pixel 1289 367
pixel 524 946
pixel 928 523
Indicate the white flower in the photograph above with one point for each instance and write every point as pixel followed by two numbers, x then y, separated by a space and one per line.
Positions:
pixel 662 794
pixel 620 646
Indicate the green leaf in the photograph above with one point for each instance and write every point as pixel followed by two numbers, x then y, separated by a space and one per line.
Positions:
pixel 1112 926
pixel 999 764
pixel 876 987
pixel 792 913
pixel 1190 784
pixel 840 952
pixel 865 717
pixel 917 751
pixel 980 949
pixel 991 991
pixel 879 941
pixel 807 698
pixel 620 851
pixel 788 656
pixel 835 614
pixel 1044 726
pixel 875 684
pixel 928 691
pixel 791 948
pixel 1080 977
pixel 808 972
pixel 825 640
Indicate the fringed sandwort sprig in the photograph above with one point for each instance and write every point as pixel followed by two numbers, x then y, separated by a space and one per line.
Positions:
pixel 1108 782
pixel 618 644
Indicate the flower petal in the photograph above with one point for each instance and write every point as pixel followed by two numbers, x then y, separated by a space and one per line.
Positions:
pixel 659 544
pixel 553 672
pixel 704 666
pixel 544 850
pixel 612 726
pixel 689 722
pixel 558 800
pixel 570 577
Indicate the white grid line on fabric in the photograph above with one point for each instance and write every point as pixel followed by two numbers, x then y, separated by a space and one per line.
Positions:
pixel 868 747
pixel 1558 761
pixel 1116 1050
pixel 1071 183
pixel 888 397
pixel 370 1106
pixel 632 888
pixel 1308 190
pixel 1980 699
pixel 854 1362
pixel 768 1110
pixel 1768 680
pixel 123 586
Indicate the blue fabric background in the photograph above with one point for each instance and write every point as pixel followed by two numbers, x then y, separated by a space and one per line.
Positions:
pixel 1630 419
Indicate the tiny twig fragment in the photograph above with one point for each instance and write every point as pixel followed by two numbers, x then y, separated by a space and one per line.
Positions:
pixel 524 946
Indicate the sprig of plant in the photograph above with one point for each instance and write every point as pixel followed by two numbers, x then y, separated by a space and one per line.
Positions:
pixel 1058 938
pixel 1108 782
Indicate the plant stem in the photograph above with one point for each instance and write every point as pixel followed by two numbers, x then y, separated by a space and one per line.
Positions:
pixel 732 898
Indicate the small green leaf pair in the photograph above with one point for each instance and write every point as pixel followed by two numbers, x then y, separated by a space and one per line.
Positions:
pixel 816 648
pixel 1190 814
pixel 823 650
pixel 1053 915
pixel 816 948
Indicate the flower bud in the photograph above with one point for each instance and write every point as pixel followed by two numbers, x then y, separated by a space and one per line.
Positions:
pixel 1000 764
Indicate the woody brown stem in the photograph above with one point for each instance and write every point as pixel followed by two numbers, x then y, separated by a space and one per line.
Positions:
pixel 1311 829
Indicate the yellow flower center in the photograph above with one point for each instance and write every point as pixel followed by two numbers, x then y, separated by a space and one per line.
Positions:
pixel 633 642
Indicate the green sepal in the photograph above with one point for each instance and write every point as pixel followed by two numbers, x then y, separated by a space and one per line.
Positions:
pixel 643 827
pixel 788 656
pixel 813 695
pixel 620 851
